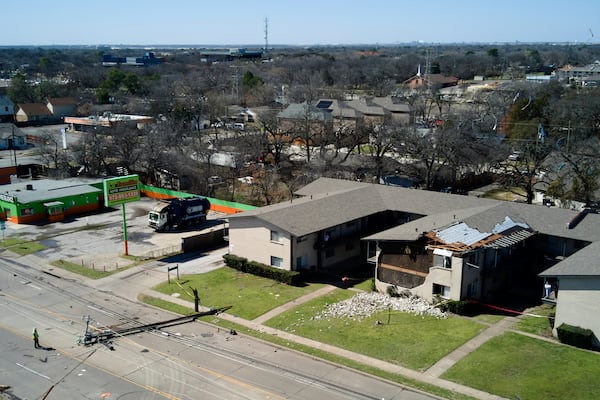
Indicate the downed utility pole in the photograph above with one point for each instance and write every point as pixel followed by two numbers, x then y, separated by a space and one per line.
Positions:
pixel 105 336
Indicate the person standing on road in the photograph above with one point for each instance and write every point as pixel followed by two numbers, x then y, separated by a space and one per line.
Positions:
pixel 36 339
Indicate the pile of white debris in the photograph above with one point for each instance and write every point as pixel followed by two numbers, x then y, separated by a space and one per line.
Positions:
pixel 365 304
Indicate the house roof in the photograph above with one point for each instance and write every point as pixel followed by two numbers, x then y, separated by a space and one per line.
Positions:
pixel 585 262
pixel 390 104
pixel 338 109
pixel 304 110
pixel 328 202
pixel 34 109
pixel 62 101
pixel 434 79
pixel 367 107
pixel 314 213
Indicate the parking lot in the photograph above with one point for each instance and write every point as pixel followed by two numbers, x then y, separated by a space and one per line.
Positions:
pixel 97 240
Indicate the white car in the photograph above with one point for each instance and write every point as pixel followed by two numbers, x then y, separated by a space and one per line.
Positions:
pixel 515 156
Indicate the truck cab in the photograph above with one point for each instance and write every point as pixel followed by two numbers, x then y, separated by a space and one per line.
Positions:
pixel 158 217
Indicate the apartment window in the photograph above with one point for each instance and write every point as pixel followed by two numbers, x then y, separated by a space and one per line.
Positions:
pixel 349 246
pixel 442 258
pixel 301 262
pixel 442 261
pixel 441 290
pixel 330 252
pixel 275 236
pixel 276 262
pixel 447 262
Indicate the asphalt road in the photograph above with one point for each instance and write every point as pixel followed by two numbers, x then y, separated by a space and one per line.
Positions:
pixel 188 361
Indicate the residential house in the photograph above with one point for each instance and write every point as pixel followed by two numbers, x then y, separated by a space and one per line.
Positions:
pixel 580 75
pixel 7 111
pixel 372 113
pixel 303 120
pixel 344 117
pixel 11 137
pixel 33 113
pixel 430 81
pixel 400 112
pixel 435 245
pixel 62 107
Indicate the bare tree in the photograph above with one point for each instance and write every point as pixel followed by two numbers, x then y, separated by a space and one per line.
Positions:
pixel 383 138
pixel 127 145
pixel 275 137
pixel 92 152
pixel 524 173
pixel 51 151
pixel 268 186
pixel 576 172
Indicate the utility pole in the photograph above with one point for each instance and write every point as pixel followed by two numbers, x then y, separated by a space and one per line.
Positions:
pixel 568 136
pixel 235 89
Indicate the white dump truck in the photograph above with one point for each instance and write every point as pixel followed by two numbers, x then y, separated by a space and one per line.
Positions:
pixel 177 213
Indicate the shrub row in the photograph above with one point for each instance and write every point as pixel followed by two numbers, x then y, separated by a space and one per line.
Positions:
pixel 259 269
pixel 457 307
pixel 575 336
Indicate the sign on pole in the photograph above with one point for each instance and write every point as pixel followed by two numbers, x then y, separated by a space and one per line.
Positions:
pixel 122 189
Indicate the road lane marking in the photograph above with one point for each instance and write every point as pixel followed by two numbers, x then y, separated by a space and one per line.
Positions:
pixel 32 371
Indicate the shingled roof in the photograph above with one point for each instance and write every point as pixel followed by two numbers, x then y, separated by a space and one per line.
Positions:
pixel 329 202
pixel 34 109
pixel 583 263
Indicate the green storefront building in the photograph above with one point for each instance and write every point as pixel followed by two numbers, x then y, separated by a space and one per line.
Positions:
pixel 49 200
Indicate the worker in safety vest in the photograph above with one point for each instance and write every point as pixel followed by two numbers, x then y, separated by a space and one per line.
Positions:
pixel 36 338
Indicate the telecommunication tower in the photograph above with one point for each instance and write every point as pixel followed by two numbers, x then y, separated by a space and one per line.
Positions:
pixel 266 54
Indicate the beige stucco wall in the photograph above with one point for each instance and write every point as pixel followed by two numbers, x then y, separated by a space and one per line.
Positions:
pixel 578 303
pixel 252 241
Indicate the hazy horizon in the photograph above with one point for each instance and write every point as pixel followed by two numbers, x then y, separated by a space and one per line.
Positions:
pixel 310 23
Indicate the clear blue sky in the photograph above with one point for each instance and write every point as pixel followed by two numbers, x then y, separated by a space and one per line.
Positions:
pixel 296 22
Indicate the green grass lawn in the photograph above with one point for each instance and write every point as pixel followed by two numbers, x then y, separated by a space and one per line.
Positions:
pixel 86 271
pixel 250 296
pixel 538 322
pixel 365 285
pixel 21 247
pixel 516 365
pixel 412 341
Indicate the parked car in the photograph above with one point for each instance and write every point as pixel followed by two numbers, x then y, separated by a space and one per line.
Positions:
pixel 515 156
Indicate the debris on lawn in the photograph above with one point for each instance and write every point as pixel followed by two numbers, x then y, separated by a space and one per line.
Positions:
pixel 365 304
